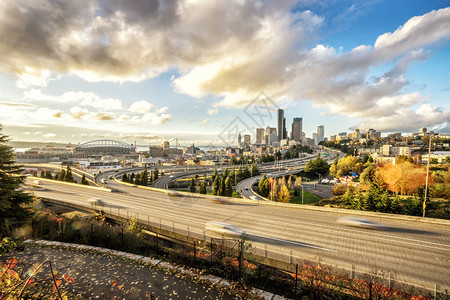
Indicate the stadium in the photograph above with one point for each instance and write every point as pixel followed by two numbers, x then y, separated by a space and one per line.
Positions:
pixel 104 147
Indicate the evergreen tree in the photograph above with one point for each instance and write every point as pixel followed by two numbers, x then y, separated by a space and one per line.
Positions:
pixel 84 180
pixel 143 178
pixel 48 174
pixel 215 186
pixel 232 175
pixel 214 175
pixel 132 177
pixel 192 188
pixel 42 173
pixel 61 175
pixel 12 199
pixel 228 188
pixel 156 174
pixel 68 176
pixel 124 177
pixel 254 170
pixel 202 188
pixel 221 191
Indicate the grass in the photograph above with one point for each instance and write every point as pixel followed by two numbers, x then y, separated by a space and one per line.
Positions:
pixel 308 198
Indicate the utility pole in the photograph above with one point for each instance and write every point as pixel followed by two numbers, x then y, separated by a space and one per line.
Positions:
pixel 426 182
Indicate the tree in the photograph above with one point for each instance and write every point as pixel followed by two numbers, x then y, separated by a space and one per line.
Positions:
pixel 42 173
pixel 215 186
pixel 202 188
pixel 263 186
pixel 84 180
pixel 254 170
pixel 68 176
pixel 318 165
pixel 232 175
pixel 192 187
pixel 61 175
pixel 48 174
pixel 404 178
pixel 143 178
pixel 284 195
pixel 156 174
pixel 273 193
pixel 12 199
pixel 228 188
pixel 124 177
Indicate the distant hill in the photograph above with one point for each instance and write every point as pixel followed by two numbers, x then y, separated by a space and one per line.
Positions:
pixel 19 144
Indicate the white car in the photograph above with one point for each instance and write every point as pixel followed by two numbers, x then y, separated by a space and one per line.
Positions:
pixel 223 228
pixel 360 222
pixel 325 180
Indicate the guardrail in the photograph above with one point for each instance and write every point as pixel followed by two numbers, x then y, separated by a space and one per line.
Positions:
pixel 70 183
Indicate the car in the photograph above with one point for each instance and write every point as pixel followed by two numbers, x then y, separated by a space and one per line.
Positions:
pixel 246 189
pixel 104 181
pixel 110 177
pixel 116 170
pixel 254 198
pixel 37 182
pixel 220 200
pixel 171 176
pixel 360 222
pixel 333 181
pixel 94 201
pixel 325 180
pixel 224 228
pixel 174 193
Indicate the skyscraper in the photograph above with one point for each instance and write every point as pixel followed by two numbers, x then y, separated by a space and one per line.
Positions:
pixel 296 133
pixel 281 125
pixel 239 139
pixel 320 133
pixel 260 136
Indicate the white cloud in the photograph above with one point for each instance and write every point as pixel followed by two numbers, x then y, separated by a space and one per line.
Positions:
pixel 49 135
pixel 140 107
pixel 233 50
pixel 204 122
pixel 212 111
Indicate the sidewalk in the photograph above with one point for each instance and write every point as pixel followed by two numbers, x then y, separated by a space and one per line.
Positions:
pixel 94 274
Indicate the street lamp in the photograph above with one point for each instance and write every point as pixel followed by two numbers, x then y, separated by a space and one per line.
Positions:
pixel 302 192
pixel 426 182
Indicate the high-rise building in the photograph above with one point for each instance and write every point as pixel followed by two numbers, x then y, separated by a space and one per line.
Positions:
pixel 281 125
pixel 260 136
pixel 239 139
pixel 296 133
pixel 315 137
pixel 271 135
pixel 320 133
pixel 247 139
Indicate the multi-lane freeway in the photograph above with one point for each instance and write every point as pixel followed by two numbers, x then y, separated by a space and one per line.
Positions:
pixel 412 251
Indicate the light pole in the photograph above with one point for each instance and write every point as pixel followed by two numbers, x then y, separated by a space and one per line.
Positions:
pixel 302 192
pixel 426 182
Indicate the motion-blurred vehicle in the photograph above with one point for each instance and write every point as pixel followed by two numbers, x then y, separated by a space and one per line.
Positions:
pixel 360 222
pixel 174 193
pixel 254 198
pixel 224 228
pixel 220 200
pixel 325 180
pixel 104 181
pixel 37 182
pixel 110 177
pixel 94 201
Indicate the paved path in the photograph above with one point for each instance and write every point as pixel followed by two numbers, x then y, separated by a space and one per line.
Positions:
pixel 94 273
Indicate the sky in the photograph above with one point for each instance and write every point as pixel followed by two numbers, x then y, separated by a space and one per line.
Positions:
pixel 201 72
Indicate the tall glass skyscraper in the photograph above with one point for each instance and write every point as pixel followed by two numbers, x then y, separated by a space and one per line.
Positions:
pixel 296 134
pixel 281 125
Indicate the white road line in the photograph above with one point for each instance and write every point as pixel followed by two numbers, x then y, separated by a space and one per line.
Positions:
pixel 387 237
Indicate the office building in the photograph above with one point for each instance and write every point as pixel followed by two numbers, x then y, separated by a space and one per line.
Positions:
pixel 296 134
pixel 247 139
pixel 281 125
pixel 260 136
pixel 320 133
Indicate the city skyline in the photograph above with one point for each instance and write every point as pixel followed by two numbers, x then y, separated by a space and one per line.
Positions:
pixel 187 70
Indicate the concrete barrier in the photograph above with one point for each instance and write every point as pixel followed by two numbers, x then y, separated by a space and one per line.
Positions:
pixel 70 183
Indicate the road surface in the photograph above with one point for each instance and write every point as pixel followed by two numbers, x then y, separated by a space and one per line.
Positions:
pixel 412 251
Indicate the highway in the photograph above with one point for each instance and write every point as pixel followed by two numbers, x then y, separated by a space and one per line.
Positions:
pixel 413 252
